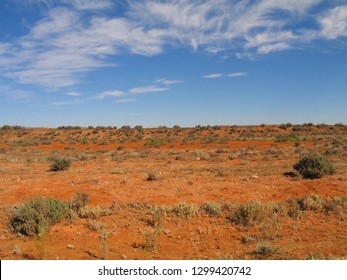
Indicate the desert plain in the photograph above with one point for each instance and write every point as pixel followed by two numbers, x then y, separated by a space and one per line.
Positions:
pixel 206 192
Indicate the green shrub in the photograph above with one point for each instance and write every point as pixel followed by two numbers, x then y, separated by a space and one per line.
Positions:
pixel 330 152
pixel 186 210
pixel 60 164
pixel 151 176
pixel 212 209
pixel 247 214
pixel 314 166
pixel 79 201
pixel 312 202
pixel 264 248
pixel 294 209
pixel 288 138
pixel 154 142
pixel 36 216
pixel 334 204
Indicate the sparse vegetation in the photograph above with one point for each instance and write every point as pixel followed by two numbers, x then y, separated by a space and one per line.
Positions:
pixel 186 210
pixel 264 249
pixel 288 138
pixel 213 209
pixel 59 164
pixel 154 142
pixel 216 170
pixel 248 214
pixel 151 176
pixel 314 166
pixel 312 202
pixel 79 201
pixel 35 217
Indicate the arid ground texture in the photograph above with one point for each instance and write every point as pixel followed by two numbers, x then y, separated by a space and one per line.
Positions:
pixel 207 192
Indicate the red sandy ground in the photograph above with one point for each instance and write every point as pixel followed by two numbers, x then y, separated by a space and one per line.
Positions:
pixel 25 176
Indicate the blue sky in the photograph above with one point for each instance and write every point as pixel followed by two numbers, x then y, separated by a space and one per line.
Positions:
pixel 151 63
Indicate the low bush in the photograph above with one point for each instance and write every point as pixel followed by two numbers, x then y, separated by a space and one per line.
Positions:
pixel 213 209
pixel 59 164
pixel 79 201
pixel 154 143
pixel 288 138
pixel 314 166
pixel 264 249
pixel 312 202
pixel 294 209
pixel 248 214
pixel 151 176
pixel 35 217
pixel 186 210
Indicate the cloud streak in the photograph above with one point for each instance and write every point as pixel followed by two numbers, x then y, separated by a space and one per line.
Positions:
pixel 107 94
pixel 70 41
pixel 168 82
pixel 147 89
pixel 237 74
pixel 213 76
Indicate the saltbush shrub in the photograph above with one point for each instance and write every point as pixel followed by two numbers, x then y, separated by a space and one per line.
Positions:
pixel 186 210
pixel 314 166
pixel 36 216
pixel 79 201
pixel 248 214
pixel 312 203
pixel 59 164
pixel 213 209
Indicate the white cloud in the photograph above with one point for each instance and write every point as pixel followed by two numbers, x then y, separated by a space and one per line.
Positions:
pixel 220 25
pixel 213 76
pixel 237 74
pixel 4 48
pixel 90 4
pixel 273 48
pixel 61 48
pixel 334 23
pixel 147 89
pixel 16 94
pixel 125 100
pixel 73 93
pixel 59 20
pixel 66 103
pixel 69 41
pixel 106 94
pixel 168 82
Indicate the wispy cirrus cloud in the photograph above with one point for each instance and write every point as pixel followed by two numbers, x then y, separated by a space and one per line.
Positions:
pixel 213 76
pixel 106 94
pixel 147 89
pixel 61 48
pixel 127 96
pixel 73 93
pixel 69 41
pixel 221 75
pixel 78 4
pixel 14 93
pixel 334 23
pixel 67 103
pixel 90 4
pixel 237 74
pixel 125 100
pixel 168 82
